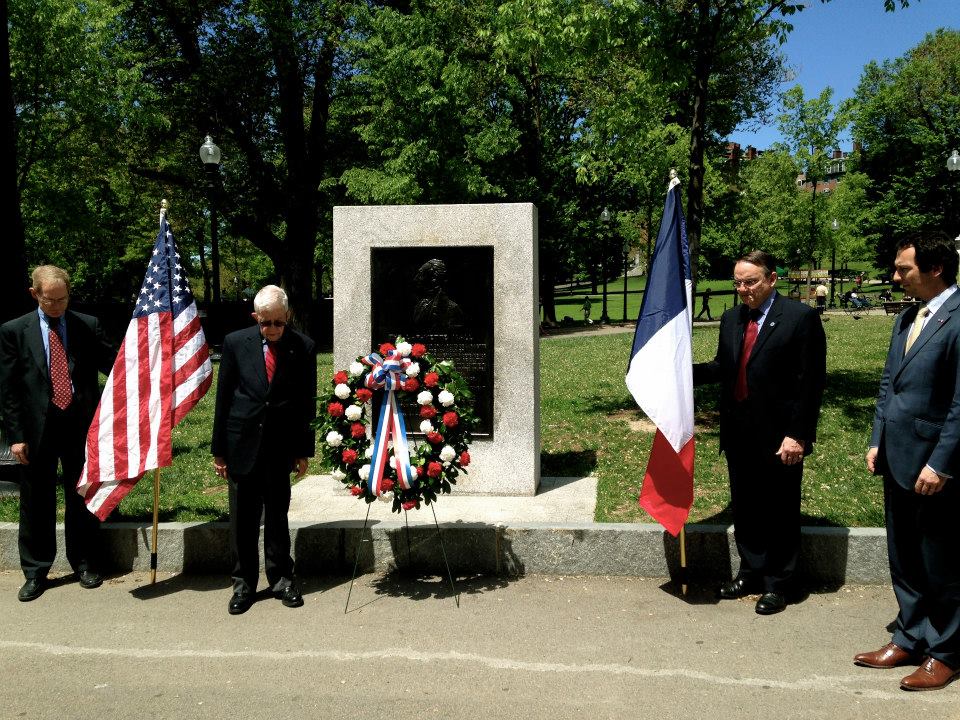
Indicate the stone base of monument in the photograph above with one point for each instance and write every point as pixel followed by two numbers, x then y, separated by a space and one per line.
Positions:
pixel 559 500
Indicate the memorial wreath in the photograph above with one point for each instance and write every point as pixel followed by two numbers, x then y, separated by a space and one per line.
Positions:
pixel 386 463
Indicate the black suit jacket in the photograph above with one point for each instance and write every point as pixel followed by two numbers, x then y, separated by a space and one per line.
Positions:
pixel 25 387
pixel 253 418
pixel 786 374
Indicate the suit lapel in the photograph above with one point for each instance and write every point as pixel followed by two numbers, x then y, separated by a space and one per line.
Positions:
pixel 73 333
pixel 256 355
pixel 937 321
pixel 34 340
pixel 770 325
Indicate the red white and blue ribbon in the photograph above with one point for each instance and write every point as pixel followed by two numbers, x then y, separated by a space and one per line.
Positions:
pixel 387 374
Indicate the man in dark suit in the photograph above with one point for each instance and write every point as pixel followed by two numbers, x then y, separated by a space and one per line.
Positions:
pixel 915 445
pixel 49 360
pixel 266 400
pixel 771 366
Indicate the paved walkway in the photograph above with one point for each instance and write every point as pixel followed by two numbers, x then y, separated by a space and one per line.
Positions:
pixel 536 647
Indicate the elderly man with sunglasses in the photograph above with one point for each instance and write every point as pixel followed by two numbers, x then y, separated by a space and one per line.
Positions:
pixel 266 400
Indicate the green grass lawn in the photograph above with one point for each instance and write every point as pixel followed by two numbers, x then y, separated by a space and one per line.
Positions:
pixel 590 424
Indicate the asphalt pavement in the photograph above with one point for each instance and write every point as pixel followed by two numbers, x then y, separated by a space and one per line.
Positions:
pixel 534 647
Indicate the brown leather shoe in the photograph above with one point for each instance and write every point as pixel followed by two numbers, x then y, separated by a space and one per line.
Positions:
pixel 932 675
pixel 888 656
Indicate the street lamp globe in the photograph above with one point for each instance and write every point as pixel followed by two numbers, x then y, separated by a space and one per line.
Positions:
pixel 209 152
pixel 606 216
pixel 953 162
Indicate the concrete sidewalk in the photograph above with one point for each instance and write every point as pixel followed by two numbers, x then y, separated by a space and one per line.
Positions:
pixel 524 649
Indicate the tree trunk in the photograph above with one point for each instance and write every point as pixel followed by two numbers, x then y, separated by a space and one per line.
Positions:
pixel 702 70
pixel 13 269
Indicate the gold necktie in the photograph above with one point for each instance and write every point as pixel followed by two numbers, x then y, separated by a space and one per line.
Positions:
pixel 916 328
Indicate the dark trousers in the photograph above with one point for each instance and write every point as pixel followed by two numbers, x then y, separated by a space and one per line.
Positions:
pixel 765 495
pixel 62 444
pixel 265 492
pixel 925 568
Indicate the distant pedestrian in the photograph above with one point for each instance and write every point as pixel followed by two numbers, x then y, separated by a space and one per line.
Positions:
pixel 705 307
pixel 587 304
pixel 821 293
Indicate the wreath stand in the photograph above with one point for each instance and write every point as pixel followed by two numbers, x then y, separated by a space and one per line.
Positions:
pixel 363 530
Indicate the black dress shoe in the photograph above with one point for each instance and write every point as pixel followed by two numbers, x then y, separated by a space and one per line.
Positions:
pixel 771 603
pixel 32 589
pixel 736 588
pixel 240 603
pixel 291 596
pixel 90 579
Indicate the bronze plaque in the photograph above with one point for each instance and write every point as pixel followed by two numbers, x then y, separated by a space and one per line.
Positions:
pixel 443 298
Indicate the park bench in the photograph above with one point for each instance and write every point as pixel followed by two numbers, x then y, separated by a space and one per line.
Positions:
pixel 896 307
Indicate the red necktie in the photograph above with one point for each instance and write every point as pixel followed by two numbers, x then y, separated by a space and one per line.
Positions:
pixel 59 372
pixel 270 358
pixel 740 392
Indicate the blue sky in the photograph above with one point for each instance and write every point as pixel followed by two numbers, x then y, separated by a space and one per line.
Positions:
pixel 831 43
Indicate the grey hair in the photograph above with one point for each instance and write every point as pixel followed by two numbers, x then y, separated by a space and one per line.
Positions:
pixel 270 296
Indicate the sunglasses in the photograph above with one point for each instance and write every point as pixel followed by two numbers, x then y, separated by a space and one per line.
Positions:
pixel 272 323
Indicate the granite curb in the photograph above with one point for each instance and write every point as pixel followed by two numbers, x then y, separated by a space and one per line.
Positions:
pixel 831 556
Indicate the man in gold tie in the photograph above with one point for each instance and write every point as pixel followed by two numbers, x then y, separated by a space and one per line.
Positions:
pixel 915 445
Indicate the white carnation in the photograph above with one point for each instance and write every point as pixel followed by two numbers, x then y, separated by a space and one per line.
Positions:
pixel 445 397
pixel 342 391
pixel 426 426
pixel 364 472
pixel 334 438
pixel 338 474
pixel 413 369
pixel 355 369
pixel 404 348
pixel 425 397
pixel 447 453
pixel 368 453
pixel 353 412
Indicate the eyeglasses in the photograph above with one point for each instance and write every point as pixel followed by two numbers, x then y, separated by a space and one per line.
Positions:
pixel 44 300
pixel 747 283
pixel 272 323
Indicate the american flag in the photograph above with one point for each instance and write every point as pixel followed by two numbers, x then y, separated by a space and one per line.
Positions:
pixel 162 370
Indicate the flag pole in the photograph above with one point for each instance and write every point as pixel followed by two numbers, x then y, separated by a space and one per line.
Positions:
pixel 683 560
pixel 156 516
pixel 156 476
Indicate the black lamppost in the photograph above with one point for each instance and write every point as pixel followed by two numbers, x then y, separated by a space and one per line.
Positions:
pixel 835 225
pixel 606 217
pixel 626 260
pixel 210 155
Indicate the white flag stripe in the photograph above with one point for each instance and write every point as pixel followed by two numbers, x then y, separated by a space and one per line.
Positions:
pixel 155 402
pixel 190 348
pixel 184 319
pixel 132 359
pixel 668 405
pixel 195 380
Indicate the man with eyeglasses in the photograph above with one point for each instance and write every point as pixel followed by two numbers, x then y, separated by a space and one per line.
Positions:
pixel 266 400
pixel 49 360
pixel 771 367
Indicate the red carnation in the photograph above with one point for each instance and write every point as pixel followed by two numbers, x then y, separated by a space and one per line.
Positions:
pixel 431 379
pixel 418 350
pixel 335 409
pixel 356 490
pixel 420 471
pixel 411 384
pixel 364 395
pixel 386 348
pixel 434 469
pixel 357 430
pixel 409 504
pixel 464 458
pixel 451 419
pixel 428 412
pixel 434 437
pixel 349 455
pixel 340 377
pixel 386 484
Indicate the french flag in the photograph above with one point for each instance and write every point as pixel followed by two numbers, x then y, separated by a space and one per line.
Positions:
pixel 660 375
